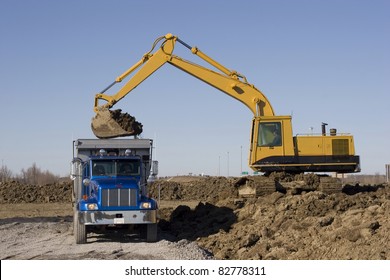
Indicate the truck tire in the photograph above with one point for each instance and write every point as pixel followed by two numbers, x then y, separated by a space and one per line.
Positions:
pixel 80 231
pixel 151 232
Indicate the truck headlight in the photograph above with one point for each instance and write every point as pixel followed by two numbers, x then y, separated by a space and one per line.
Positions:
pixel 86 182
pixel 91 206
pixel 146 205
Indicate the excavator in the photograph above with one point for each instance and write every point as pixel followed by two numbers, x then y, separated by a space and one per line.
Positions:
pixel 273 147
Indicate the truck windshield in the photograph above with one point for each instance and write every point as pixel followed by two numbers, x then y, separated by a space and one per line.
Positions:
pixel 116 168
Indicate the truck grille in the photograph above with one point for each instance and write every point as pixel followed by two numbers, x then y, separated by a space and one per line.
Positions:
pixel 119 197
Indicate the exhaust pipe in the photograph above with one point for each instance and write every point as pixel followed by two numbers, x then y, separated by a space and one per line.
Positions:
pixel 323 127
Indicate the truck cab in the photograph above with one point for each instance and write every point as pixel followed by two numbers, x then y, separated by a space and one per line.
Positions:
pixel 110 185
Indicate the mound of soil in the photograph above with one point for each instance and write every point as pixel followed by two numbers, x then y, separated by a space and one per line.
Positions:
pixel 126 121
pixel 352 224
pixel 14 192
pixel 210 189
pixel 313 225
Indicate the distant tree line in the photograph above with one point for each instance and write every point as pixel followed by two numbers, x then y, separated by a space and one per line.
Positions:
pixel 32 175
pixel 35 176
pixel 366 179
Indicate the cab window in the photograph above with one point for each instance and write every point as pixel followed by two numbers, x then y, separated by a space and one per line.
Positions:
pixel 270 134
pixel 116 167
pixel 129 168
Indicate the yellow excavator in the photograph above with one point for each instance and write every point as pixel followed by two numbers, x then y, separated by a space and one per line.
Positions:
pixel 273 147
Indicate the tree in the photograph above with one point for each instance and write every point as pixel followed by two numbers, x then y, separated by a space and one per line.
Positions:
pixel 5 173
pixel 35 176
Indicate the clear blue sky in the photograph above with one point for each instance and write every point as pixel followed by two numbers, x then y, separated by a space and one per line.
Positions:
pixel 321 61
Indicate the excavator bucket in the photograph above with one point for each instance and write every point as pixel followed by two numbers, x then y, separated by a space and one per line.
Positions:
pixel 111 124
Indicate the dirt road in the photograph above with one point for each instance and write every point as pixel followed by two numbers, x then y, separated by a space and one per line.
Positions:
pixel 45 231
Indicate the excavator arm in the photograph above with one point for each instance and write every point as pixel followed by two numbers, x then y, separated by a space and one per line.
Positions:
pixel 107 124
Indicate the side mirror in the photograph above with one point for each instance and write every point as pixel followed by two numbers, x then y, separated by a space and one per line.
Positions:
pixel 154 168
pixel 75 168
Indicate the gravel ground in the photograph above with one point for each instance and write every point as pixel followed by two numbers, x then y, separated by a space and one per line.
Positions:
pixel 52 238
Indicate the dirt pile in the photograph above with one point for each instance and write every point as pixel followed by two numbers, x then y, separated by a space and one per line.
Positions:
pixel 126 121
pixel 210 189
pixel 353 224
pixel 15 192
pixel 308 226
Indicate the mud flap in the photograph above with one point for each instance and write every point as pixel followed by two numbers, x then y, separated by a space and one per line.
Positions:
pixel 149 232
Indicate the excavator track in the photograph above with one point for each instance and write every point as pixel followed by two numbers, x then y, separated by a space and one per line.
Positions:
pixel 254 186
pixel 330 185
pixel 114 123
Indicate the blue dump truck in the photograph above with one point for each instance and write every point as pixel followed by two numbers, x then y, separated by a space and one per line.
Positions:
pixel 110 180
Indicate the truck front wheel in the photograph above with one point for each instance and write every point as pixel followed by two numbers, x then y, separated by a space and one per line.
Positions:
pixel 80 231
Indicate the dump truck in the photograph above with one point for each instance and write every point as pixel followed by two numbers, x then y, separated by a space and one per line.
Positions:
pixel 110 186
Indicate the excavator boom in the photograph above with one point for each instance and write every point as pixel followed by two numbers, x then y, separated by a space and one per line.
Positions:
pixel 106 124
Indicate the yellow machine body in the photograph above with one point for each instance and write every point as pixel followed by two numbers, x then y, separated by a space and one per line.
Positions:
pixel 301 153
